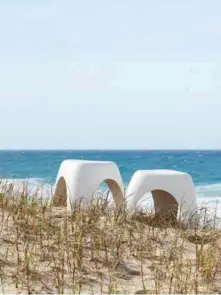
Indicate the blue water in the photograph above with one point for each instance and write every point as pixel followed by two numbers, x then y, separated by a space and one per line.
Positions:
pixel 204 166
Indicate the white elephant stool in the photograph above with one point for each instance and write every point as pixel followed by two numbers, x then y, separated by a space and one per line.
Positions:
pixel 171 191
pixel 78 179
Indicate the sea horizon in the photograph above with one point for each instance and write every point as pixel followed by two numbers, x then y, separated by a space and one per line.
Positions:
pixel 97 149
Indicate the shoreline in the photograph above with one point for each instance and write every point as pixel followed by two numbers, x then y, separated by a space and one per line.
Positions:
pixel 211 202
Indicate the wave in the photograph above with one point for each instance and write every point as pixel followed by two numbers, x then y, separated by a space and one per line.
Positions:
pixel 208 196
pixel 30 185
pixel 208 193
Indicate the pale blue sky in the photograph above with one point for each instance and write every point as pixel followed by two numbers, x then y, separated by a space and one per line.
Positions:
pixel 110 74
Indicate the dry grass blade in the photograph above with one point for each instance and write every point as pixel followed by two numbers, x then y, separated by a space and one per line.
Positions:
pixel 98 249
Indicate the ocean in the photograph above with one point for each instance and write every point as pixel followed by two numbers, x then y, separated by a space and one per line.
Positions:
pixel 41 167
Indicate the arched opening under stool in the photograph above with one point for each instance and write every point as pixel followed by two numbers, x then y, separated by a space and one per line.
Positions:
pixel 164 204
pixel 60 195
pixel 110 190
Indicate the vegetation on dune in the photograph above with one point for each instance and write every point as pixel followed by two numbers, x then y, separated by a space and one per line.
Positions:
pixel 97 249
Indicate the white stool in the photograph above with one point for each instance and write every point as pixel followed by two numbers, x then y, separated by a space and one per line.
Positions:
pixel 171 190
pixel 78 179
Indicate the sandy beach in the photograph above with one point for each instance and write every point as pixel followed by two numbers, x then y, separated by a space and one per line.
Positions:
pixel 98 250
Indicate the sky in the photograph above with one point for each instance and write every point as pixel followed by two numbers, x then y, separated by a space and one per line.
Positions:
pixel 119 74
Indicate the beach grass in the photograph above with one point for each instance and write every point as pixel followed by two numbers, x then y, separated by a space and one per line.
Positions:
pixel 97 249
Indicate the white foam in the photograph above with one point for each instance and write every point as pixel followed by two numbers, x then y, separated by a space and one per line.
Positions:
pixel 208 196
pixel 209 193
pixel 31 186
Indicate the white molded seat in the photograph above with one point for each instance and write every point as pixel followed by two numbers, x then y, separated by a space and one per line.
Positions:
pixel 170 189
pixel 78 179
